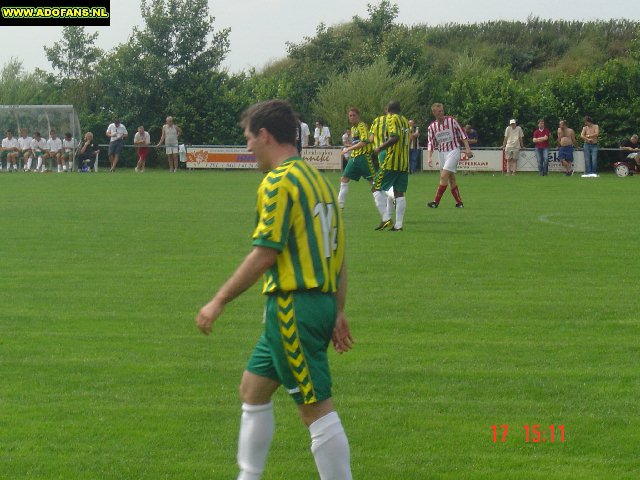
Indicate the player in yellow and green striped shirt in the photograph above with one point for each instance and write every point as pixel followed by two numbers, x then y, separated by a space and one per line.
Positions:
pixel 298 246
pixel 360 164
pixel 394 170
pixel 377 136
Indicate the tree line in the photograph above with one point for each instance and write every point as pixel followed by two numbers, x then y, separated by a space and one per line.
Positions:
pixel 484 73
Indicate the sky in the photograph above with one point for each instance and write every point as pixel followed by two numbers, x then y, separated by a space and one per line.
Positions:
pixel 261 28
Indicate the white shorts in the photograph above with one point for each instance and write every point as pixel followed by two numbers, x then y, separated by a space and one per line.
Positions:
pixel 171 149
pixel 451 159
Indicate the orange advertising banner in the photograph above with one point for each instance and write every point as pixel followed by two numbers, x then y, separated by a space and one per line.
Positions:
pixel 239 157
pixel 220 158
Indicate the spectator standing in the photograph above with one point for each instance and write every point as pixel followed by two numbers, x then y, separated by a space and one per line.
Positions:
pixel 566 143
pixel 541 137
pixel 321 135
pixel 304 134
pixel 590 133
pixel 414 146
pixel 170 134
pixel 116 132
pixel 472 135
pixel 347 139
pixel 142 140
pixel 512 143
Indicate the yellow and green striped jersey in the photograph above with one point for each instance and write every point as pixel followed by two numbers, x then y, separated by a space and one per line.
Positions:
pixel 397 154
pixel 298 215
pixel 379 130
pixel 360 133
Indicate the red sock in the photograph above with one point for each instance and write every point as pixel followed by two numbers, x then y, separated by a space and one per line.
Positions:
pixel 440 192
pixel 456 194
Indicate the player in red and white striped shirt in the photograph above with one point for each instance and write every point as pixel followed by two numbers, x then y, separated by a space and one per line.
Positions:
pixel 445 134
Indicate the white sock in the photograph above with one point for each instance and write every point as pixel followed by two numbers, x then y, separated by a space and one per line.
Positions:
pixel 29 163
pixel 330 448
pixel 39 163
pixel 64 168
pixel 256 431
pixel 381 203
pixel 391 203
pixel 401 206
pixel 342 194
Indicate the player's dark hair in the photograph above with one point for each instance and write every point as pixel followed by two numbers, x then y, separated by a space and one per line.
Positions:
pixel 354 109
pixel 588 119
pixel 393 106
pixel 275 116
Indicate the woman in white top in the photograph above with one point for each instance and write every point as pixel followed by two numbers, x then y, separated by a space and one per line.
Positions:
pixel 170 133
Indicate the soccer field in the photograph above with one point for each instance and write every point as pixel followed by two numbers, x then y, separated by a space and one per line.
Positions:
pixel 519 310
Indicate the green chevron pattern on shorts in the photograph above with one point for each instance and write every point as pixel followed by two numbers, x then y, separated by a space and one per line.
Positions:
pixel 292 347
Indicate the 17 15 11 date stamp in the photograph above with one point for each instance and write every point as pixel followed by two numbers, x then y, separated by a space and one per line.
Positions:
pixel 536 433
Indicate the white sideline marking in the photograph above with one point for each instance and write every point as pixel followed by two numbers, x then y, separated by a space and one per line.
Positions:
pixel 545 219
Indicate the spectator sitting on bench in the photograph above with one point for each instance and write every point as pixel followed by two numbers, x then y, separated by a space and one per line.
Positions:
pixel 87 153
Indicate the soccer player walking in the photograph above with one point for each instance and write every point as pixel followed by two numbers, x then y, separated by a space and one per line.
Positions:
pixel 360 163
pixel 298 245
pixel 394 169
pixel 445 134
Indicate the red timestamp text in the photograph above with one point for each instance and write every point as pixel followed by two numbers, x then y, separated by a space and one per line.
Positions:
pixel 536 433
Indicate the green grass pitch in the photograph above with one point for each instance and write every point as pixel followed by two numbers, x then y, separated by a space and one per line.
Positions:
pixel 521 309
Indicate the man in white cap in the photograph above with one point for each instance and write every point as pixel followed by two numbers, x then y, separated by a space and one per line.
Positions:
pixel 512 143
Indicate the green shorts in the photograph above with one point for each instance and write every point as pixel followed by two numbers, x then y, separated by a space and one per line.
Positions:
pixel 379 160
pixel 385 179
pixel 5 153
pixel 293 348
pixel 359 167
